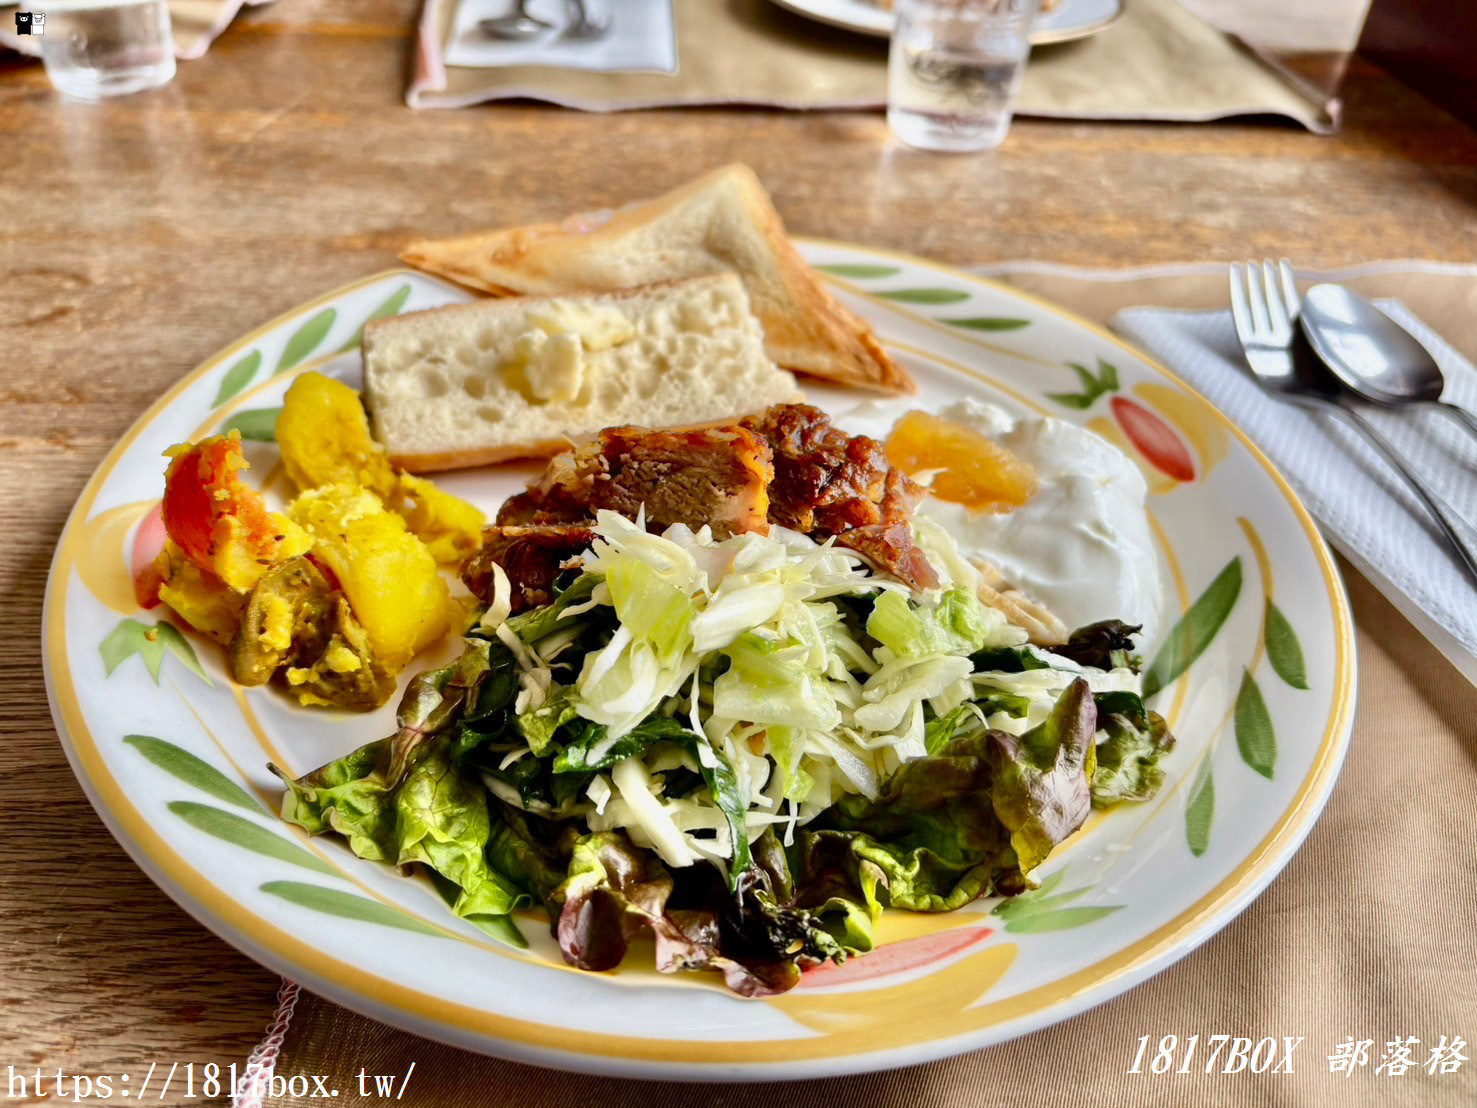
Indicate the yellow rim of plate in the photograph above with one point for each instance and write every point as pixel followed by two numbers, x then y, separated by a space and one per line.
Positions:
pixel 350 983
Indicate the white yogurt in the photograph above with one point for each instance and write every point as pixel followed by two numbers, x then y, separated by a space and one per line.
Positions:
pixel 1081 544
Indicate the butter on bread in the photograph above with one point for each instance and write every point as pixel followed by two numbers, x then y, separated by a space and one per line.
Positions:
pixel 723 221
pixel 522 377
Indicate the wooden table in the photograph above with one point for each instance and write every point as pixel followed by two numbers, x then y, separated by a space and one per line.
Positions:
pixel 140 235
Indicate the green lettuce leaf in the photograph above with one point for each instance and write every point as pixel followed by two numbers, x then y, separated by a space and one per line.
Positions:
pixel 442 822
pixel 579 754
pixel 536 623
pixel 956 625
pixel 1128 758
pixel 538 726
pixel 1041 792
pixel 1006 659
pixel 754 936
pixel 347 796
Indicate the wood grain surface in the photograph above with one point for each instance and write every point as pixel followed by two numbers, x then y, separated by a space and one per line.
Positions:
pixel 141 235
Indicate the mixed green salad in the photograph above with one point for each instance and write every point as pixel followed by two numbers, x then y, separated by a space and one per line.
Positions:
pixel 744 748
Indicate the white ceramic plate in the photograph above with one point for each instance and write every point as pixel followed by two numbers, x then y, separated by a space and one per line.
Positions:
pixel 1259 692
pixel 1071 19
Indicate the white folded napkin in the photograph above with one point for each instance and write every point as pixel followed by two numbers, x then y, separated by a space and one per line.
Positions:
pixel 642 38
pixel 1363 507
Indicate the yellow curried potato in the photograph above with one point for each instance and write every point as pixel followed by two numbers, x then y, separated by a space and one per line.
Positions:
pixel 447 524
pixel 324 437
pixel 388 575
pixel 201 599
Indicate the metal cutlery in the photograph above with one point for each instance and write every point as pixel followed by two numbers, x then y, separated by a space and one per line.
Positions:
pixel 584 26
pixel 517 26
pixel 1372 354
pixel 1266 307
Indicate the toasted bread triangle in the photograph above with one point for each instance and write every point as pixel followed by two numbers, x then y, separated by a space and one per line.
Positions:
pixel 721 221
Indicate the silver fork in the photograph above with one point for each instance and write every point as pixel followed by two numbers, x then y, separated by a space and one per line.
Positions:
pixel 1265 308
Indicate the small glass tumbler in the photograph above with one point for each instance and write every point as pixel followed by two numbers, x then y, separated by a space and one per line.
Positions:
pixel 98 48
pixel 954 70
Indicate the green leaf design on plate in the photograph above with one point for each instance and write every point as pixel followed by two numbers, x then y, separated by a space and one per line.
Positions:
pixel 1200 810
pixel 1042 909
pixel 1094 385
pixel 234 829
pixel 1255 737
pixel 255 424
pixel 925 296
pixel 988 323
pixel 148 641
pixel 175 642
pixel 1059 920
pixel 848 269
pixel 306 339
pixel 238 377
pixel 1029 904
pixel 390 307
pixel 1195 630
pixel 1283 649
pixel 334 902
pixel 180 763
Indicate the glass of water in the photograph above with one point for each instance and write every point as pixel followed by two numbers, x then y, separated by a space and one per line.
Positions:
pixel 98 48
pixel 954 70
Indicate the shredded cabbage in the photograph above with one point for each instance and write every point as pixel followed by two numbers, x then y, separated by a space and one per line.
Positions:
pixel 792 668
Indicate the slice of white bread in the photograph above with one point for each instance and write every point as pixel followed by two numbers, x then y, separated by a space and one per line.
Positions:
pixel 723 221
pixel 456 386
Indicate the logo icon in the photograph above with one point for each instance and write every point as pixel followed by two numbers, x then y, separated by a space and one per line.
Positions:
pixel 30 23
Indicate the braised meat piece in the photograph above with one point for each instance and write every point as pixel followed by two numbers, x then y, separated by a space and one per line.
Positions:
pixel 826 481
pixel 532 556
pixel 787 465
pixel 717 476
pixel 890 546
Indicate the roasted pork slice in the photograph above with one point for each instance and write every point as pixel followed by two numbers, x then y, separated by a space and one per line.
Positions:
pixel 825 480
pixel 533 556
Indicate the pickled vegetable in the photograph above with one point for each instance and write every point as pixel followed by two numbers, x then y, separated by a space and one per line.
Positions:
pixel 295 619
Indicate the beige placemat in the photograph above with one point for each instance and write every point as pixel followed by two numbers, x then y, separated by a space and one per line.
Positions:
pixel 195 24
pixel 1367 933
pixel 1157 62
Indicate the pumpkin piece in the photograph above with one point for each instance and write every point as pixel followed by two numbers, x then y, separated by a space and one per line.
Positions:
pixel 449 526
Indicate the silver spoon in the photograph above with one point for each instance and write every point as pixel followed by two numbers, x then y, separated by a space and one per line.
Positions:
pixel 516 26
pixel 1372 354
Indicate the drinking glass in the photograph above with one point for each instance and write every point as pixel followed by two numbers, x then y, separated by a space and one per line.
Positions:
pixel 98 48
pixel 954 70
